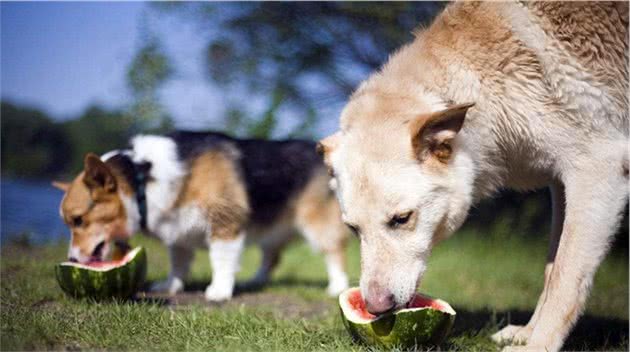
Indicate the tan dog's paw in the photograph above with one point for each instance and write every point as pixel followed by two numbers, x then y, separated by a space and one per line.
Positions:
pixel 171 286
pixel 517 334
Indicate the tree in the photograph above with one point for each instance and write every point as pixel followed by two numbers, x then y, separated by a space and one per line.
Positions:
pixel 32 145
pixel 97 130
pixel 148 71
pixel 311 54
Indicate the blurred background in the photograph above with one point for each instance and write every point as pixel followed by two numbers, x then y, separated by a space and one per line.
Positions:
pixel 84 77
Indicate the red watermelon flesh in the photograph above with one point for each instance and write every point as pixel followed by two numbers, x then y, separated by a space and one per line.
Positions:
pixel 424 321
pixel 420 302
pixel 109 264
pixel 358 304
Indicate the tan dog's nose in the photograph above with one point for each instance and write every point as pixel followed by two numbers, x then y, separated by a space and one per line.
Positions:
pixel 378 299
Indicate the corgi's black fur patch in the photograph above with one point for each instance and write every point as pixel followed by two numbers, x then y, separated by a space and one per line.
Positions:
pixel 272 171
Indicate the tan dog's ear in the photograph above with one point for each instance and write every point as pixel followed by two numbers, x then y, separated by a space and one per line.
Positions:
pixel 326 146
pixel 97 174
pixel 433 135
pixel 64 186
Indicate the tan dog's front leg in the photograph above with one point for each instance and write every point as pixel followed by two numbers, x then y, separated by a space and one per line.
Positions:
pixel 595 202
pixel 519 333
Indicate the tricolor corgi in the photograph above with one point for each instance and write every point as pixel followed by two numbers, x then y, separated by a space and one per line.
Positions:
pixel 197 189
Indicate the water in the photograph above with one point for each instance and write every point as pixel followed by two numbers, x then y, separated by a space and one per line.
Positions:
pixel 32 208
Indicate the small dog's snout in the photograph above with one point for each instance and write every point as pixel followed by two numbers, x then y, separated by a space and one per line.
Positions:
pixel 73 260
pixel 379 300
pixel 98 251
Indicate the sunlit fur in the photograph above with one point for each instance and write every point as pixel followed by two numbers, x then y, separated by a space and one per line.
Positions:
pixel 549 83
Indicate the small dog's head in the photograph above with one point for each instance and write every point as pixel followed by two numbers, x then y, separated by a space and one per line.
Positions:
pixel 404 181
pixel 93 207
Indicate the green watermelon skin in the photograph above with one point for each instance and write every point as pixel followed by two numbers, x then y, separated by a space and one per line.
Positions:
pixel 117 283
pixel 404 328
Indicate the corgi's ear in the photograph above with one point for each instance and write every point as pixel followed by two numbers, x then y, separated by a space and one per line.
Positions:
pixel 326 146
pixel 64 186
pixel 432 135
pixel 97 175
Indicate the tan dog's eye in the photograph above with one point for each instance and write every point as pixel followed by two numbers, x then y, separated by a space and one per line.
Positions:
pixel 354 229
pixel 77 221
pixel 399 219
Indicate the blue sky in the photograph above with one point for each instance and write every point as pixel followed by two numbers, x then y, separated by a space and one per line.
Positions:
pixel 64 56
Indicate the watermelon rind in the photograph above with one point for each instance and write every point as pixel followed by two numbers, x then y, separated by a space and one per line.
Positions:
pixel 403 328
pixel 109 282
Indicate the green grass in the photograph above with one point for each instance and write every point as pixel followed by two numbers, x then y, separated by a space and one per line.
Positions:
pixel 487 280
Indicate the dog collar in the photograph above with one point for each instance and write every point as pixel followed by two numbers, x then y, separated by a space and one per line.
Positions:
pixel 141 177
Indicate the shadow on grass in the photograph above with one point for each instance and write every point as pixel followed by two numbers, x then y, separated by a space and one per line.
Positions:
pixel 591 332
pixel 289 282
pixel 248 287
pixel 156 301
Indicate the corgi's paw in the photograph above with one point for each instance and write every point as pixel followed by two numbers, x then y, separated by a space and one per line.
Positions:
pixel 171 286
pixel 216 292
pixel 336 287
pixel 516 334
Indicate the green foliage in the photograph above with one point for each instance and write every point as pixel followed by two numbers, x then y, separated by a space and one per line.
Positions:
pixel 265 126
pixel 35 146
pixel 32 144
pixel 148 71
pixel 97 131
pixel 311 53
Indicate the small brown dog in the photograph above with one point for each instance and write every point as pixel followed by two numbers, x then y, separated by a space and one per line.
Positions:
pixel 193 189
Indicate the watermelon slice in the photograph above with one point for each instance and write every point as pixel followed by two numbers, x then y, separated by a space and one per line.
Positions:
pixel 425 321
pixel 102 280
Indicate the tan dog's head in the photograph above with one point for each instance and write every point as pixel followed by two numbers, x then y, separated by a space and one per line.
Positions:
pixel 94 210
pixel 404 181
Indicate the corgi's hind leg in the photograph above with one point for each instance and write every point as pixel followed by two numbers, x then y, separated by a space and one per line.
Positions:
pixel 225 255
pixel 270 246
pixel 335 266
pixel 325 231
pixel 596 195
pixel 180 258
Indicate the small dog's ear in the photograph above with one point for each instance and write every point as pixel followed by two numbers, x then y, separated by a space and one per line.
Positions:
pixel 97 174
pixel 326 146
pixel 433 135
pixel 64 186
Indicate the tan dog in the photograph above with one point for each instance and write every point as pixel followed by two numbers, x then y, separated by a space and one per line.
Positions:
pixel 194 189
pixel 490 96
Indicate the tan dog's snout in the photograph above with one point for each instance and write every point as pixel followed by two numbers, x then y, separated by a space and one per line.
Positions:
pixel 378 299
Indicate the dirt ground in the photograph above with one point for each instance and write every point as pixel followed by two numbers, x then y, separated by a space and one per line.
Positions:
pixel 281 305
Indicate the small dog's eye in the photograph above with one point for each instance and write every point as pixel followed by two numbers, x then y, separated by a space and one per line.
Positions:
pixel 354 229
pixel 77 221
pixel 399 219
